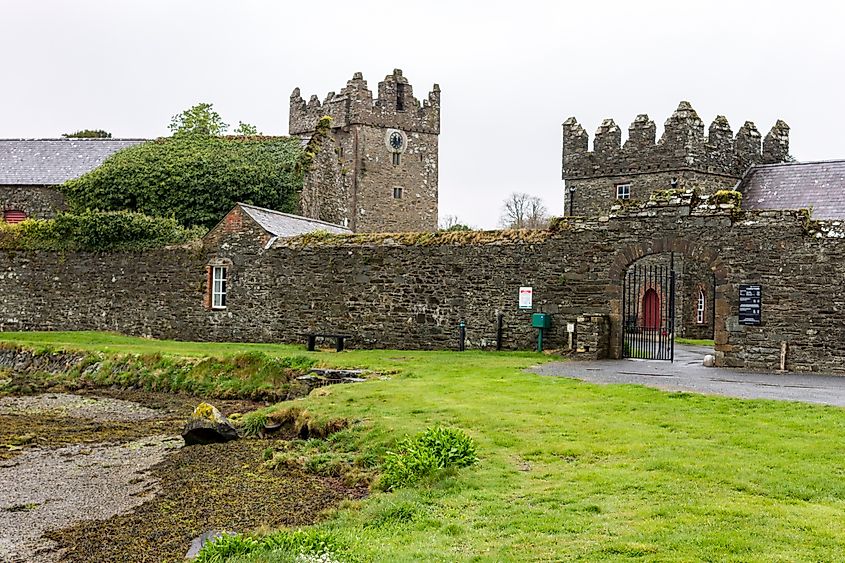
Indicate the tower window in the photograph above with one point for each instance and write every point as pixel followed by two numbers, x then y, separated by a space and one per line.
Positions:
pixel 623 191
pixel 400 97
pixel 699 313
pixel 397 193
pixel 397 158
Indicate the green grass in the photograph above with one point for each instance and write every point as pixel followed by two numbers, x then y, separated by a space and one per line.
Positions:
pixel 574 471
pixel 138 363
pixel 695 342
pixel 116 343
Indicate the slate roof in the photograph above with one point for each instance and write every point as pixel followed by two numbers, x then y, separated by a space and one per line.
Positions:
pixel 281 224
pixel 797 185
pixel 54 161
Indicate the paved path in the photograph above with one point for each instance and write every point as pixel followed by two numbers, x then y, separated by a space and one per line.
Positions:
pixel 688 374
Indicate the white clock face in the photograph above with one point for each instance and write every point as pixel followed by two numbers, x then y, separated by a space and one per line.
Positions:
pixel 395 140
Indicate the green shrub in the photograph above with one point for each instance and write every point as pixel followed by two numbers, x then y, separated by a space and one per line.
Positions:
pixel 285 542
pixel 451 446
pixel 226 546
pixel 425 454
pixel 252 423
pixel 314 542
pixel 95 231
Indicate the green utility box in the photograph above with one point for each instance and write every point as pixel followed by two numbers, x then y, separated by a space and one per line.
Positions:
pixel 541 320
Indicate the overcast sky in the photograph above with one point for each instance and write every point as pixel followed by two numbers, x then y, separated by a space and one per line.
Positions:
pixel 510 72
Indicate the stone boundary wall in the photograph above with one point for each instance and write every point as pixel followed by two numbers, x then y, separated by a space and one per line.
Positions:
pixel 410 291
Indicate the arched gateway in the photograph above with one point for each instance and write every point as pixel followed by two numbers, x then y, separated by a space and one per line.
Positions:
pixel 642 294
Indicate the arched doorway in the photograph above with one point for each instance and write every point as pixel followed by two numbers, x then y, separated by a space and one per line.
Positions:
pixel 649 307
pixel 631 332
pixel 651 310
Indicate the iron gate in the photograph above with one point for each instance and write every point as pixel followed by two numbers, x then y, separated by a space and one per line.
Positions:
pixel 648 312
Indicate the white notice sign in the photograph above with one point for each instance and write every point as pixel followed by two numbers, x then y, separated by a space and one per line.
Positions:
pixel 526 296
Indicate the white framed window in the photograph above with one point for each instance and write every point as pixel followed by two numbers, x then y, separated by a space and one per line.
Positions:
pixel 397 193
pixel 218 287
pixel 699 312
pixel 397 159
pixel 623 191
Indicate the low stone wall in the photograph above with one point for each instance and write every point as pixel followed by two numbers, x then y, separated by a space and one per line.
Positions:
pixel 410 291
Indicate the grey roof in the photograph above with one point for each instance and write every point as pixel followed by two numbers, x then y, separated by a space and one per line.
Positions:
pixel 286 225
pixel 797 185
pixel 54 161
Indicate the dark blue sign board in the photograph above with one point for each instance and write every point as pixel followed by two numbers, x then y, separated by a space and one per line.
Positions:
pixel 750 304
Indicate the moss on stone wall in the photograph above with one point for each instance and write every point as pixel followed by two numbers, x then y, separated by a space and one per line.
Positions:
pixel 440 238
pixel 727 197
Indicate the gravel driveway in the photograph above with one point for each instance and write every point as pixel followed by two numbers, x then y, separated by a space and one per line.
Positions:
pixel 687 373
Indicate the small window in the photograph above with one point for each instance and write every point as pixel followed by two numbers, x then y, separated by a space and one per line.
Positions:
pixel 623 191
pixel 218 287
pixel 397 193
pixel 14 216
pixel 400 97
pixel 397 157
pixel 700 309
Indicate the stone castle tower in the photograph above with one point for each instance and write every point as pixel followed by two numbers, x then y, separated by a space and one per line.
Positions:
pixel 683 157
pixel 381 172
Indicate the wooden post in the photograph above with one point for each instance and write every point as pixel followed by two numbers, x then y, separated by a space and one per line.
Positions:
pixel 783 355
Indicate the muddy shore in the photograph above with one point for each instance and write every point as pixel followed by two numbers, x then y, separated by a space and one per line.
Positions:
pixel 104 477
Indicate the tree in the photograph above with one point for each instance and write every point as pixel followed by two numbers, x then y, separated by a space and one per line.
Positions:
pixel 452 223
pixel 200 120
pixel 88 134
pixel 524 211
pixel 246 129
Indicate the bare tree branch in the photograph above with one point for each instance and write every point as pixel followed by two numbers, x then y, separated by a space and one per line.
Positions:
pixel 524 211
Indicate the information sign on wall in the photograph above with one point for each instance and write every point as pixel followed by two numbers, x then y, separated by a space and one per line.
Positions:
pixel 750 304
pixel 526 297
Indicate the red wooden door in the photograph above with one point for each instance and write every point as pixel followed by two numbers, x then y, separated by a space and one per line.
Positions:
pixel 13 216
pixel 651 310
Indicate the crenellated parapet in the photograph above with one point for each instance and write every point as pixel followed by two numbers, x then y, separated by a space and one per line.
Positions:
pixel 683 146
pixel 395 106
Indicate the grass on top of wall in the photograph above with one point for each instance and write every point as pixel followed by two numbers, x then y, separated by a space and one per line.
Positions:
pixel 574 471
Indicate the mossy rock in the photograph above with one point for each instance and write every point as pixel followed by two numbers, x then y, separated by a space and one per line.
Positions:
pixel 207 426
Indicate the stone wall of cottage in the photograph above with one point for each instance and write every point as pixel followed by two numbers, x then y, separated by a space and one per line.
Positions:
pixel 38 202
pixel 410 291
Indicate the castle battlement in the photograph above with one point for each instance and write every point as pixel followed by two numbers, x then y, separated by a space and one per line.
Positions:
pixel 683 146
pixel 395 106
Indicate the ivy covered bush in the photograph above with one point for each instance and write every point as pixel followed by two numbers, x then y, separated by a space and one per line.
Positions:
pixel 195 178
pixel 95 231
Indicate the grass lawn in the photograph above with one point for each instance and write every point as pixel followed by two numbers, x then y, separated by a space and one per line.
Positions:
pixel 695 342
pixel 570 470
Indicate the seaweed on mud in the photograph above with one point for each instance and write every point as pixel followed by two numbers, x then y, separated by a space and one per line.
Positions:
pixel 214 486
